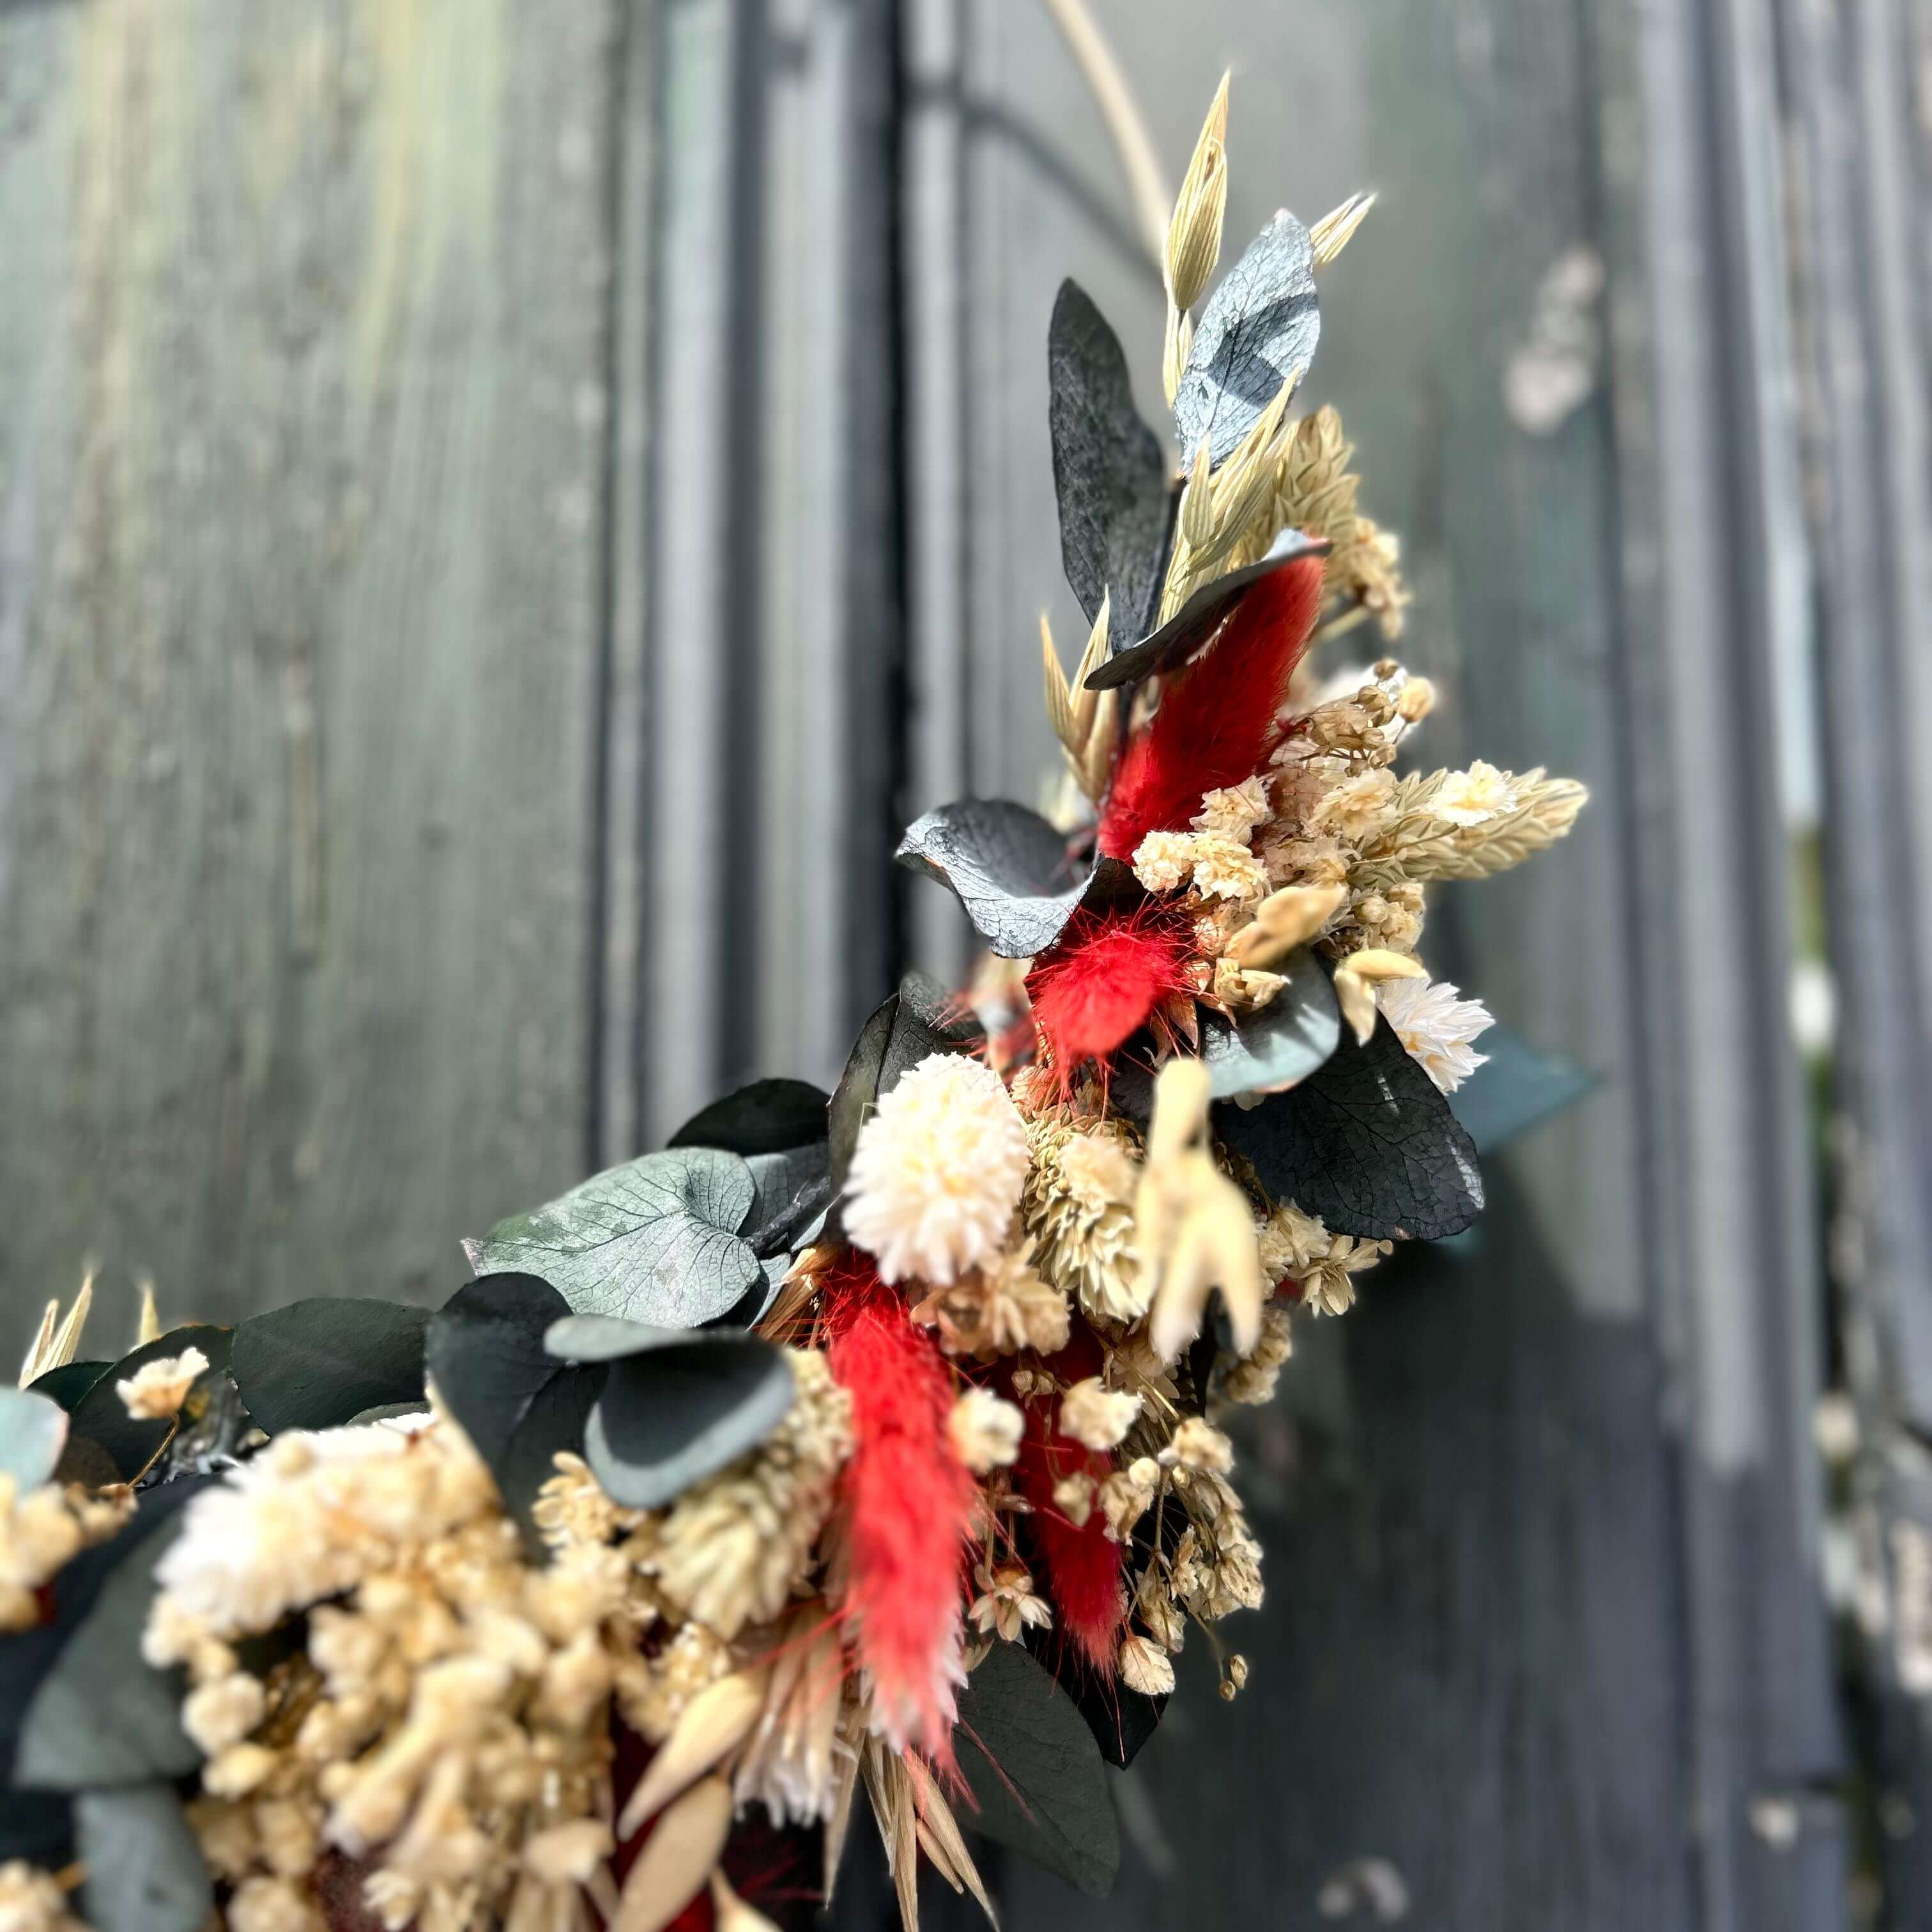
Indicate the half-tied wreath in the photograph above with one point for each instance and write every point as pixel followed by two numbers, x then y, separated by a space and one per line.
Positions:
pixel 853 1450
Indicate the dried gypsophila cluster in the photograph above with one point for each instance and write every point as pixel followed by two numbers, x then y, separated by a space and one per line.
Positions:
pixel 42 1531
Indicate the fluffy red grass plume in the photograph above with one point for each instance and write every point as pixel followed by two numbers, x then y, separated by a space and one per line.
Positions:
pixel 907 1503
pixel 1216 722
pixel 1104 978
pixel 1081 1564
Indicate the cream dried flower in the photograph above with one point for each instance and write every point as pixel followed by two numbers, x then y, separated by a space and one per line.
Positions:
pixel 1356 808
pixel 1197 1444
pixel 32 1900
pixel 1006 1603
pixel 1073 1496
pixel 999 1309
pixel 729 1550
pixel 1251 1382
pixel 1078 1208
pixel 157 1389
pixel 1225 868
pixel 1126 1495
pixel 1296 1247
pixel 1472 796
pixel 43 1530
pixel 1145 1666
pixel 985 1430
pixel 1436 1027
pixel 1096 1416
pixel 1163 860
pixel 224 1711
pixel 937 1171
pixel 1235 811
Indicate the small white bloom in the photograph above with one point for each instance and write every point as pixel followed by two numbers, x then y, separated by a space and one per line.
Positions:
pixel 985 1430
pixel 1474 796
pixel 157 1389
pixel 1145 1667
pixel 1225 868
pixel 1235 811
pixel 937 1171
pixel 1006 1603
pixel 1436 1027
pixel 1162 861
pixel 1097 1417
pixel 1356 808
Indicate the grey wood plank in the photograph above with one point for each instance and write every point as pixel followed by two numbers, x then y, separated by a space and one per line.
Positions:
pixel 302 466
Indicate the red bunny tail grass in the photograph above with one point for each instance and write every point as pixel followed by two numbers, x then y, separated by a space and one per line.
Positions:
pixel 908 1504
pixel 1104 979
pixel 1215 725
pixel 1082 1563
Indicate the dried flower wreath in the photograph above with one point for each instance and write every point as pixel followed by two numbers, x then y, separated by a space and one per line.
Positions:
pixel 865 1442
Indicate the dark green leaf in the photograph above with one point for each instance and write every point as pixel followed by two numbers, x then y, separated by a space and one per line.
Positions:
pixel 91 1709
pixel 514 1400
pixel 1189 630
pixel 100 1416
pixel 1108 470
pixel 922 1018
pixel 144 1872
pixel 1018 878
pixel 767 1116
pixel 793 1187
pixel 319 1363
pixel 66 1384
pixel 1034 1771
pixel 656 1240
pixel 1285 1042
pixel 1515 1089
pixel 607 1338
pixel 1366 1143
pixel 680 1409
pixel 1260 327
pixel 33 1431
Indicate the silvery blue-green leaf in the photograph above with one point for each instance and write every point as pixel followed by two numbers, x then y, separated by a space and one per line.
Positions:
pixel 656 1240
pixel 767 1116
pixel 1191 627
pixel 1034 1771
pixel 33 1431
pixel 1108 473
pixel 792 1184
pixel 319 1363
pixel 1260 326
pixel 1516 1088
pixel 145 1871
pixel 673 1414
pixel 606 1338
pixel 1285 1042
pixel 96 1712
pixel 1017 877
pixel 1367 1143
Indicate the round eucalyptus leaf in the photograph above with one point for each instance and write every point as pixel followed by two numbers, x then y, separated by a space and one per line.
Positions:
pixel 483 1349
pixel 145 1870
pixel 1019 880
pixel 1295 1034
pixel 33 1431
pixel 321 1363
pixel 605 1338
pixel 656 1240
pixel 767 1116
pixel 671 1416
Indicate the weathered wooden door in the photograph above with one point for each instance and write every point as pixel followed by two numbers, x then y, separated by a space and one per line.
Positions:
pixel 504 509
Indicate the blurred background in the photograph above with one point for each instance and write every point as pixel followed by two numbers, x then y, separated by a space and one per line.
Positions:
pixel 505 509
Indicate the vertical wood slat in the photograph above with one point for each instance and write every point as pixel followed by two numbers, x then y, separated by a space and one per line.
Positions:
pixel 1857 78
pixel 772 763
pixel 302 403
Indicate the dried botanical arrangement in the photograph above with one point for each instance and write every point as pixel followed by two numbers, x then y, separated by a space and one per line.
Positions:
pixel 854 1453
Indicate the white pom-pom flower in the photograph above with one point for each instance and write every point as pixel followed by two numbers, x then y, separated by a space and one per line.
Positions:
pixel 937 1171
